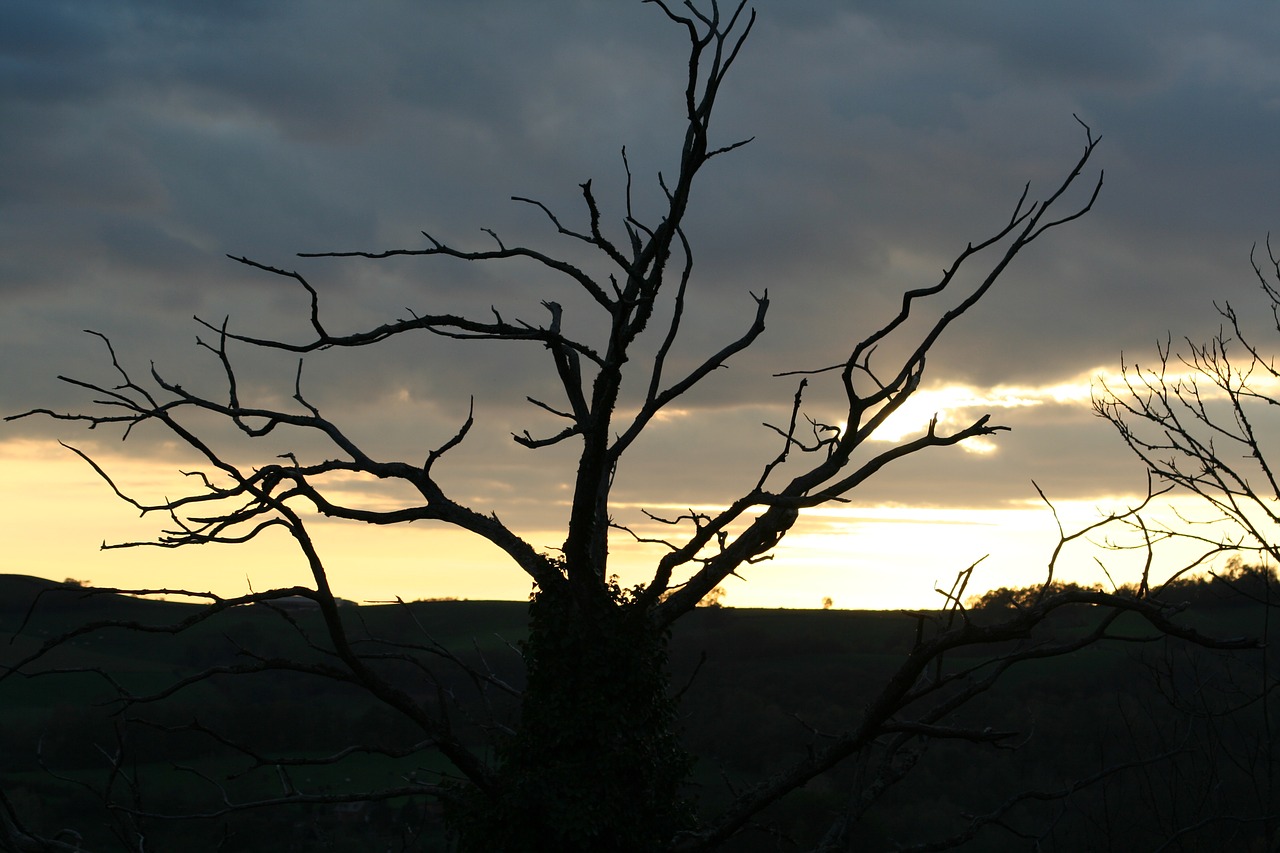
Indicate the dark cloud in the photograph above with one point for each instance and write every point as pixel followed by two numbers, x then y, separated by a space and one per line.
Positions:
pixel 143 140
pixel 45 47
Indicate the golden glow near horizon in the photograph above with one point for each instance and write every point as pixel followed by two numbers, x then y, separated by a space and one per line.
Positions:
pixel 56 512
pixel 954 404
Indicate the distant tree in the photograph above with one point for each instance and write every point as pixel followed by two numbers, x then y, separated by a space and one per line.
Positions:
pixel 1016 598
pixel 715 598
pixel 593 760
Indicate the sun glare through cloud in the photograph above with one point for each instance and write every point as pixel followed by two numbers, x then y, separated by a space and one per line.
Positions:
pixel 955 406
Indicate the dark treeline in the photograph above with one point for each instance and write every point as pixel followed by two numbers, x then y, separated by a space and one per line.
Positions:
pixel 1238 584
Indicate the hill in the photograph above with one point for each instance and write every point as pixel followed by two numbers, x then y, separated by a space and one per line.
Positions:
pixel 758 689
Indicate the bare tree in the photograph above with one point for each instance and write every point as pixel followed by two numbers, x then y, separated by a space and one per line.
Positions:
pixel 1201 420
pixel 15 837
pixel 594 760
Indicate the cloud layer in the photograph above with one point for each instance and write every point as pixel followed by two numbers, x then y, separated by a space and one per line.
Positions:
pixel 145 140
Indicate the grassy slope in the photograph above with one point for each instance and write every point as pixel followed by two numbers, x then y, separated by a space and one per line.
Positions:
pixel 759 684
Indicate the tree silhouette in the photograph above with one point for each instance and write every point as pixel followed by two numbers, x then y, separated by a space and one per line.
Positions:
pixel 594 759
pixel 1201 421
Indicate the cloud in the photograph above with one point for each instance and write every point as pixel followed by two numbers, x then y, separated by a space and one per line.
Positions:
pixel 148 139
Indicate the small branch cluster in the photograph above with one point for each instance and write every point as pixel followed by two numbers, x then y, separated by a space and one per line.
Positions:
pixel 1197 421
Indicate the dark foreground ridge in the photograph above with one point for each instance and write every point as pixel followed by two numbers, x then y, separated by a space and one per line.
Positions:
pixel 757 689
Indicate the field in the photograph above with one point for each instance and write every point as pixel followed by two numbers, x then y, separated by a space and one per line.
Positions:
pixel 1149 718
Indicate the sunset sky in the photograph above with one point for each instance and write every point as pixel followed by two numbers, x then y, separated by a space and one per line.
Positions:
pixel 144 140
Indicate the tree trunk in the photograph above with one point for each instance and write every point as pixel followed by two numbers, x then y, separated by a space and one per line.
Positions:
pixel 596 763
